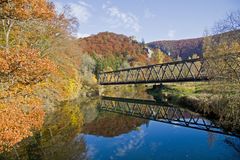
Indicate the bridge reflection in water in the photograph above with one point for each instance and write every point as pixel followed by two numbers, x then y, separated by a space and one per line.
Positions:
pixel 161 112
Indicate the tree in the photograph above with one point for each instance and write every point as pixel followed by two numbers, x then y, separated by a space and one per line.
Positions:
pixel 230 23
pixel 21 110
pixel 224 71
pixel 226 36
pixel 194 56
pixel 15 11
pixel 143 45
pixel 224 44
pixel 124 65
pixel 24 66
pixel 27 76
pixel 159 56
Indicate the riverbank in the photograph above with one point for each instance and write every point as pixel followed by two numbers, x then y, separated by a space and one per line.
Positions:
pixel 200 98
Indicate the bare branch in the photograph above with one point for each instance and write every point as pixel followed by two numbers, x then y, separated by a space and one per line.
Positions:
pixel 230 23
pixel 1 46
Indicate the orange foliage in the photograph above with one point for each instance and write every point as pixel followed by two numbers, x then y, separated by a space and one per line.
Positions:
pixel 18 118
pixel 21 111
pixel 26 9
pixel 111 44
pixel 22 69
pixel 24 66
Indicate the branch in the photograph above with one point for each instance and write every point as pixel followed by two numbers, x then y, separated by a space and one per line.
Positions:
pixel 1 46
pixel 4 27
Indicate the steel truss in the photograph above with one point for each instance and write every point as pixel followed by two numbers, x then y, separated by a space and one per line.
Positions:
pixel 179 71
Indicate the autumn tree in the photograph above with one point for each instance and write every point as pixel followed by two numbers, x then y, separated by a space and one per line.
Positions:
pixel 16 11
pixel 224 44
pixel 226 36
pixel 223 52
pixel 20 108
pixel 52 33
pixel 21 70
pixel 158 56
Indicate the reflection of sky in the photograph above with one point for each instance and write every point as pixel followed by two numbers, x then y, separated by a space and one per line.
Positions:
pixel 134 142
pixel 115 147
pixel 161 141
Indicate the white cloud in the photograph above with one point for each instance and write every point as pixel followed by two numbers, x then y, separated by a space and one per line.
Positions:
pixel 82 35
pixel 80 10
pixel 171 33
pixel 84 4
pixel 106 4
pixel 148 14
pixel 121 19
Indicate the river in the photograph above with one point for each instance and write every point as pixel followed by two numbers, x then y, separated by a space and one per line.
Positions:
pixel 105 128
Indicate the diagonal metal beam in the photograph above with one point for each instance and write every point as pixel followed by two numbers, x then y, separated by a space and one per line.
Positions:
pixel 199 69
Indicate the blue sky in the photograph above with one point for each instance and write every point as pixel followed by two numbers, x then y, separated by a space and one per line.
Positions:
pixel 148 19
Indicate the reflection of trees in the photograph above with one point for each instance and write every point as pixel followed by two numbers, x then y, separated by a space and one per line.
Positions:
pixel 112 124
pixel 89 109
pixel 211 139
pixel 127 91
pixel 57 138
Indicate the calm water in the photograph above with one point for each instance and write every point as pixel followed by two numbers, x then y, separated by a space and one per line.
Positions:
pixel 117 128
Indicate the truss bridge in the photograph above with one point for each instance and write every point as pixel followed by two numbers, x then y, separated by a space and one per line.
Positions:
pixel 200 69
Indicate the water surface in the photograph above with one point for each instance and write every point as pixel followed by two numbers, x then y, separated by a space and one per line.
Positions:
pixel 119 128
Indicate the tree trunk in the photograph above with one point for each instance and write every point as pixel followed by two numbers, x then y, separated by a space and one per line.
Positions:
pixel 7 29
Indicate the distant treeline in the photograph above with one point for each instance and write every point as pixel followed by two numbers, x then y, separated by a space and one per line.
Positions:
pixel 184 48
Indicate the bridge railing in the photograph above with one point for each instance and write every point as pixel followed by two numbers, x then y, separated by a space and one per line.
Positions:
pixel 199 69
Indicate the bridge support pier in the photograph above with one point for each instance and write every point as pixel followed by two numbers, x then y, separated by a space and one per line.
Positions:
pixel 158 86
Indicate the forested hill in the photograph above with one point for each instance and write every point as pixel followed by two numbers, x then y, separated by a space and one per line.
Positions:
pixel 107 44
pixel 183 48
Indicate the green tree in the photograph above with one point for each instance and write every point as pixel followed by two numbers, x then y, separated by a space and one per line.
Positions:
pixel 159 56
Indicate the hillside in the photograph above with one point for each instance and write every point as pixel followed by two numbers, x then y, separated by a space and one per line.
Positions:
pixel 107 44
pixel 184 48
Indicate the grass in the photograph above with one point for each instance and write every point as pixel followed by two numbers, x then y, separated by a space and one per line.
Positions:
pixel 174 91
pixel 199 88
